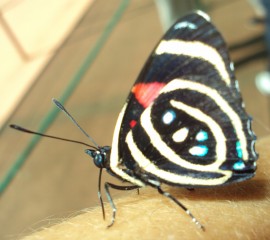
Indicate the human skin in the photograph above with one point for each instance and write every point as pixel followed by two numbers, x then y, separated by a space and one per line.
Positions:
pixel 237 211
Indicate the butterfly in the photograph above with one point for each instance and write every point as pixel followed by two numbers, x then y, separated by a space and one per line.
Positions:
pixel 184 123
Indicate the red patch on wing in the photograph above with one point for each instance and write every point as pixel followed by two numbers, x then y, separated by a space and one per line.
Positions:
pixel 132 123
pixel 145 93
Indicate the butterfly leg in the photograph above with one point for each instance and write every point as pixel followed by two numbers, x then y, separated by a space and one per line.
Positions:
pixel 107 186
pixel 99 193
pixel 168 195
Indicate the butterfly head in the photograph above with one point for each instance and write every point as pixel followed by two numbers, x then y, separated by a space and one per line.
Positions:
pixel 99 155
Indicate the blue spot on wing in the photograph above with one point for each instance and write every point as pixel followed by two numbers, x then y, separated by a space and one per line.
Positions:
pixel 240 165
pixel 168 117
pixel 201 136
pixel 239 149
pixel 199 150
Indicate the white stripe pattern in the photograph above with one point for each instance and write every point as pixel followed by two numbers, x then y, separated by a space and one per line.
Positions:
pixel 221 149
pixel 170 155
pixel 114 158
pixel 148 166
pixel 195 49
pixel 219 100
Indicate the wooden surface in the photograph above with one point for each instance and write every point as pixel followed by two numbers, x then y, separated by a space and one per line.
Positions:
pixel 58 179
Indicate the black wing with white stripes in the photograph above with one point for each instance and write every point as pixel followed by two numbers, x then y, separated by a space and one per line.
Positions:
pixel 184 122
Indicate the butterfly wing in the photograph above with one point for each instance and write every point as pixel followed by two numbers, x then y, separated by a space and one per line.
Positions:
pixel 184 122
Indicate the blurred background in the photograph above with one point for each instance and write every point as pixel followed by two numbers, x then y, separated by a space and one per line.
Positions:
pixel 88 54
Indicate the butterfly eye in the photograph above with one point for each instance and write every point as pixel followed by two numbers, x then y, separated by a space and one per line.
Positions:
pixel 168 117
pixel 98 160
pixel 98 157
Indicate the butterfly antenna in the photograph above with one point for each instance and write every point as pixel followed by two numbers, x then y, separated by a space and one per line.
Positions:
pixel 61 107
pixel 19 128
